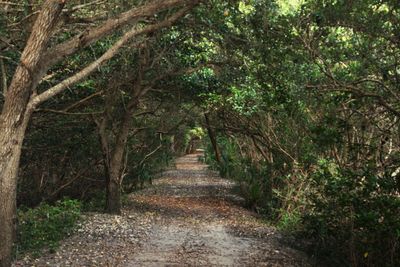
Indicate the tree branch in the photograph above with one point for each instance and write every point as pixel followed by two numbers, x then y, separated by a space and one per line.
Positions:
pixel 83 100
pixel 69 113
pixel 90 36
pixel 105 57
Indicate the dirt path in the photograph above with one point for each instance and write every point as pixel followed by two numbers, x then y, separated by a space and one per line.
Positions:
pixel 188 218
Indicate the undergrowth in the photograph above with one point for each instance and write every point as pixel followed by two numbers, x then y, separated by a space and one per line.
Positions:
pixel 44 226
pixel 349 217
pixel 97 202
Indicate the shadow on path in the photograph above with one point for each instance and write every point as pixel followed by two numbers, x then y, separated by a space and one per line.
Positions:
pixel 189 217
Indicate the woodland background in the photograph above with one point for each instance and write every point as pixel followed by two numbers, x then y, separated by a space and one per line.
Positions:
pixel 297 101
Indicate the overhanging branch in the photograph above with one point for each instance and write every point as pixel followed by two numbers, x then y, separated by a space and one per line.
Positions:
pixel 106 56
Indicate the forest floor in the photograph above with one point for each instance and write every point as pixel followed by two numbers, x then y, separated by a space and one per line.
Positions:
pixel 189 217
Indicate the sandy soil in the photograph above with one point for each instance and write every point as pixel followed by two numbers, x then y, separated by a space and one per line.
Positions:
pixel 189 217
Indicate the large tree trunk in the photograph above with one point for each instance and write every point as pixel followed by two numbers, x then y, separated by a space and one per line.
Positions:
pixel 113 197
pixel 111 170
pixel 14 120
pixel 113 201
pixel 11 138
pixel 105 147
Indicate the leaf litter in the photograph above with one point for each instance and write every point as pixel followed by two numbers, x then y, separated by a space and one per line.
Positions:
pixel 189 217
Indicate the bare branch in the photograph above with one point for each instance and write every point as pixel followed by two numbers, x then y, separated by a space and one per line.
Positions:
pixel 13 4
pixel 69 113
pixel 83 100
pixel 78 7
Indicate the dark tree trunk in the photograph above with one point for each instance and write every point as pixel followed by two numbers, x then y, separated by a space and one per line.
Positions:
pixel 213 139
pixel 113 202
pixel 111 173
pixel 113 157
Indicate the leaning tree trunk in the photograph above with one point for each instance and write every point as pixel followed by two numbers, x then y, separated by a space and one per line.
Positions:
pixel 11 138
pixel 14 119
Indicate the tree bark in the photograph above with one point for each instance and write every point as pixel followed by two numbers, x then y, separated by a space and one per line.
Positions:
pixel 213 139
pixel 3 77
pixel 14 120
pixel 113 198
pixel 11 138
pixel 105 147
pixel 21 97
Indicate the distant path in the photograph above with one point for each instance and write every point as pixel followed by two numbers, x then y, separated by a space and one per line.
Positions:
pixel 188 218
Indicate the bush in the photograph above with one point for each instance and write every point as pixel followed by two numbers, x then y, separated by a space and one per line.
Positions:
pixel 97 202
pixel 355 215
pixel 254 180
pixel 289 221
pixel 44 226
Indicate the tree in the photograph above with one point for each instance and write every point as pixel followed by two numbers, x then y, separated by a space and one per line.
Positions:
pixel 22 97
pixel 307 115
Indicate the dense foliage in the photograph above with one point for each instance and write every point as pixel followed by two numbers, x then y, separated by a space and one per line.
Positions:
pixel 44 226
pixel 300 100
pixel 309 126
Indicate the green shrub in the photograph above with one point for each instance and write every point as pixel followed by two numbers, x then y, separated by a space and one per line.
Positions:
pixel 355 215
pixel 289 221
pixel 96 202
pixel 254 180
pixel 44 226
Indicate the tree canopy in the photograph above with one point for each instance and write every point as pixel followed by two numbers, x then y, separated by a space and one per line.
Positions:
pixel 300 102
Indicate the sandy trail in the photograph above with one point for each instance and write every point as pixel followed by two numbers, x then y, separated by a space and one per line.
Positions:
pixel 189 217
